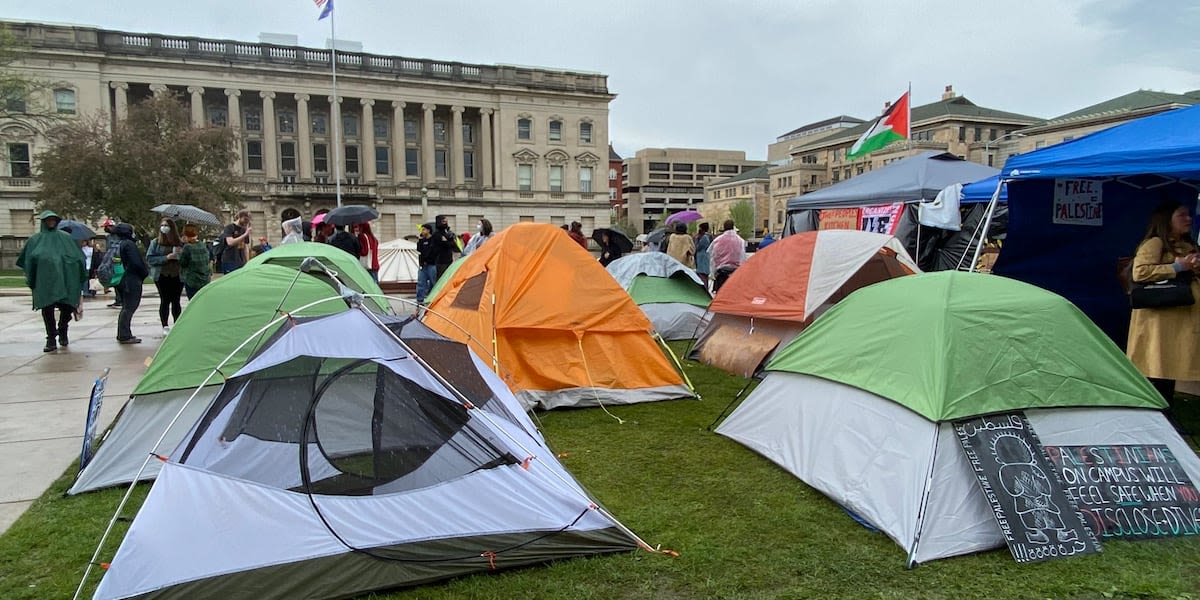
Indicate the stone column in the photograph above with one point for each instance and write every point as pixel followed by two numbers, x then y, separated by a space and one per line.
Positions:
pixel 497 133
pixel 429 172
pixel 270 147
pixel 366 134
pixel 158 89
pixel 303 138
pixel 197 105
pixel 337 137
pixel 485 145
pixel 456 146
pixel 398 144
pixel 121 102
pixel 234 121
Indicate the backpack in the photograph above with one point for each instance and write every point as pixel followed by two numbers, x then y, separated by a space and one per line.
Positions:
pixel 111 271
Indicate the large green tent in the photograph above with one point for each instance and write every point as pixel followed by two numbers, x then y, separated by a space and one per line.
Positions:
pixel 861 405
pixel 215 322
pixel 949 345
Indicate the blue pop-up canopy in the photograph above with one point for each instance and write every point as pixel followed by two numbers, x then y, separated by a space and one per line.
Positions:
pixel 982 190
pixel 1135 166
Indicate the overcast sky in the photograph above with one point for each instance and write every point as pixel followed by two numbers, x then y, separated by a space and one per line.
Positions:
pixel 735 75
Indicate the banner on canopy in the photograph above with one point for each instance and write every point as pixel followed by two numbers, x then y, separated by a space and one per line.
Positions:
pixel 1078 202
pixel 839 218
pixel 882 218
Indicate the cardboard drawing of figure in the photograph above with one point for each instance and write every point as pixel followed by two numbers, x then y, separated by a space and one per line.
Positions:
pixel 1025 481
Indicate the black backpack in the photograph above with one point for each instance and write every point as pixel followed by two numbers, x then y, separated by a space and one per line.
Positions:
pixel 106 273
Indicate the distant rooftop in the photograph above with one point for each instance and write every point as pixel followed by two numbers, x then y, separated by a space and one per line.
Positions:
pixel 755 173
pixel 1132 102
pixel 612 154
pixel 811 128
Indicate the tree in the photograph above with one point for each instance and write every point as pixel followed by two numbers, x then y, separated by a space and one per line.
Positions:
pixel 742 214
pixel 21 94
pixel 152 157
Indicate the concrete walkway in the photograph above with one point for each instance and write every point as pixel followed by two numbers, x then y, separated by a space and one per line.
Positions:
pixel 44 396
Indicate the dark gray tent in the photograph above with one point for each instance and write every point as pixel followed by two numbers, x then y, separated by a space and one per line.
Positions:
pixel 913 179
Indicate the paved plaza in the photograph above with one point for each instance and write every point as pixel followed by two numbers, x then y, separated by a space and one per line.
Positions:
pixel 44 396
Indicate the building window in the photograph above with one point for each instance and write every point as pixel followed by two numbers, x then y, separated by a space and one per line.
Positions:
pixel 320 123
pixel 468 164
pixel 556 131
pixel 706 168
pixel 524 129
pixel 612 194
pixel 468 133
pixel 18 160
pixel 254 155
pixel 585 133
pixel 287 121
pixel 320 158
pixel 252 119
pixel 657 166
pixel 962 134
pixel 729 169
pixel 218 117
pixel 351 159
pixel 410 130
pixel 978 134
pixel 585 180
pixel 350 125
pixel 525 178
pixel 64 101
pixel 992 134
pixel 683 167
pixel 287 157
pixel 439 163
pixel 439 132
pixel 383 164
pixel 381 128
pixel 612 174
pixel 412 162
pixel 14 102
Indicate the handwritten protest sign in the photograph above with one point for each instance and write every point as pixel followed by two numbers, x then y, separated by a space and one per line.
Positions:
pixel 1078 202
pixel 1038 519
pixel 1129 491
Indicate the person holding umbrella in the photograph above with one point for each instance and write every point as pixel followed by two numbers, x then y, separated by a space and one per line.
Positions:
pixel 54 271
pixel 613 244
pixel 681 247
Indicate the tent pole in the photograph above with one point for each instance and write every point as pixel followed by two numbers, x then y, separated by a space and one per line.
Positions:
pixel 987 223
pixel 912 554
pixel 678 365
pixel 725 411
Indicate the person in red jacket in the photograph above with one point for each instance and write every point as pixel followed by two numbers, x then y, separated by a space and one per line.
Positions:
pixel 368 249
pixel 576 233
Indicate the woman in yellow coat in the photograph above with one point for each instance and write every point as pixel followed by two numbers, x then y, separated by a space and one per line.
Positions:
pixel 681 247
pixel 1164 343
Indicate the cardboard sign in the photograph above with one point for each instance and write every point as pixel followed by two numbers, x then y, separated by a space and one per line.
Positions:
pixel 1038 519
pixel 1129 491
pixel 881 219
pixel 1078 202
pixel 839 218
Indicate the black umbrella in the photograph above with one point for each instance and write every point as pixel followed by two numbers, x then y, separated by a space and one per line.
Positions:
pixel 623 242
pixel 187 212
pixel 351 214
pixel 656 237
pixel 78 230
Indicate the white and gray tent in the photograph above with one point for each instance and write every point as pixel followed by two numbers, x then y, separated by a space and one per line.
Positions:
pixel 338 461
pixel 671 294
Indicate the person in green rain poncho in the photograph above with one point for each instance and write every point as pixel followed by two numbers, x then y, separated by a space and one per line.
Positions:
pixel 54 270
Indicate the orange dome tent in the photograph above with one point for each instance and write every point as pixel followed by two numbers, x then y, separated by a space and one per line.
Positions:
pixel 559 329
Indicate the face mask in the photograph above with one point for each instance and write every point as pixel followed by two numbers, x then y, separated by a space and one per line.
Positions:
pixel 165 229
pixel 479 227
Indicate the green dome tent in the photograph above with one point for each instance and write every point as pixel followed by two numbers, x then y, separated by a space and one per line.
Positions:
pixel 214 323
pixel 860 404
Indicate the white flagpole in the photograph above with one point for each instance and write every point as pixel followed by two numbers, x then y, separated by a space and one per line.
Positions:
pixel 337 125
pixel 908 107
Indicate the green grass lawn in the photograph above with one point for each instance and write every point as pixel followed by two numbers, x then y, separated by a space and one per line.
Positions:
pixel 12 278
pixel 744 528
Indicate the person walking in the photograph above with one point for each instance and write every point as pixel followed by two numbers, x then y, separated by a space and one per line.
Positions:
pixel 194 266
pixel 54 271
pixel 130 285
pixel 163 258
pixel 368 249
pixel 1164 343
pixel 426 263
pixel 236 243
pixel 109 240
pixel 445 244
pixel 728 253
pixel 703 255
pixel 90 262
pixel 681 247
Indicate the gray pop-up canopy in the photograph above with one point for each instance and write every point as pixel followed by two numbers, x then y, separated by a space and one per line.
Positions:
pixel 913 179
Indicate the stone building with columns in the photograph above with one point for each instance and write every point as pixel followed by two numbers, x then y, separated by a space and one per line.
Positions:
pixel 412 137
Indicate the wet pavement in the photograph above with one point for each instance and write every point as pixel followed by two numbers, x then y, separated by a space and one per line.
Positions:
pixel 44 396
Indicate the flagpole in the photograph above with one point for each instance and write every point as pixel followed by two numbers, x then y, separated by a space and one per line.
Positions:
pixel 908 107
pixel 337 125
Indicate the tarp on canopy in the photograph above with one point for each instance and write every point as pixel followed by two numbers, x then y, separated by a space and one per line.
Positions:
pixel 912 179
pixel 1143 157
pixel 982 190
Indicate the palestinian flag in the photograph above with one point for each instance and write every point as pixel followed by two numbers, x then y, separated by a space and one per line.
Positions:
pixel 891 127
